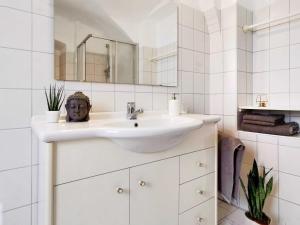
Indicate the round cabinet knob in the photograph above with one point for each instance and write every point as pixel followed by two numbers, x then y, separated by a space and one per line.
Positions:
pixel 120 190
pixel 200 164
pixel 200 192
pixel 200 220
pixel 142 183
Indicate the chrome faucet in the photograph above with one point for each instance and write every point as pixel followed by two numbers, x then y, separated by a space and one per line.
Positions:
pixel 132 112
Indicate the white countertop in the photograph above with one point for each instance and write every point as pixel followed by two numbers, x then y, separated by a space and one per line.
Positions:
pixel 96 126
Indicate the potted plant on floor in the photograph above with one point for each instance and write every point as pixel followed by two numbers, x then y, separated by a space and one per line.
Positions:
pixel 55 98
pixel 257 192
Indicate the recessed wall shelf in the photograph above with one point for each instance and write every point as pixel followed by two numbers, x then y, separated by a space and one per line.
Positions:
pixel 241 108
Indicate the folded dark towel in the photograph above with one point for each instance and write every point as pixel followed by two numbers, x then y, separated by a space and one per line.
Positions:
pixel 271 118
pixel 287 129
pixel 262 123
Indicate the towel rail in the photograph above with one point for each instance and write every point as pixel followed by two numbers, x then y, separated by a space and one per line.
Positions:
pixel 273 22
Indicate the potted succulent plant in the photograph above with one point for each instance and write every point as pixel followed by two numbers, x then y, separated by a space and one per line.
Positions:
pixel 55 98
pixel 257 192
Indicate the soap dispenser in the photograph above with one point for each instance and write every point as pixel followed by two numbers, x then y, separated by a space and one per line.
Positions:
pixel 174 106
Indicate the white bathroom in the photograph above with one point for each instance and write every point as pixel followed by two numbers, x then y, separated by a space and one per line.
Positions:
pixel 149 112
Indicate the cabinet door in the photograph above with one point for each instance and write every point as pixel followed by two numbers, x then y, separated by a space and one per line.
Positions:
pixel 154 193
pixel 101 200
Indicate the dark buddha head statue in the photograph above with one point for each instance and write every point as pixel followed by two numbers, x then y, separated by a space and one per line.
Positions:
pixel 78 107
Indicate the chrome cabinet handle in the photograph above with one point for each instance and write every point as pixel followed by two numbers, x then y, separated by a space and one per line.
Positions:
pixel 142 183
pixel 200 192
pixel 200 220
pixel 200 164
pixel 120 190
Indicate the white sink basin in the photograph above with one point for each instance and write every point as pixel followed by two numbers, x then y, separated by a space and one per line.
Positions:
pixel 152 132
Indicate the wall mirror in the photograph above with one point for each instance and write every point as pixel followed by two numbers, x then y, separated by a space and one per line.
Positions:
pixel 116 41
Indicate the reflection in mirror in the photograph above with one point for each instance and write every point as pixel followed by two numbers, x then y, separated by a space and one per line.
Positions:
pixel 116 41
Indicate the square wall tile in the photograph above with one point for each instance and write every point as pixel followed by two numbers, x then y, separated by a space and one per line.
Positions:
pixel 21 5
pixel 280 101
pixel 261 40
pixel 199 20
pixel 160 102
pixel 19 104
pixel 261 83
pixel 199 83
pixel 199 62
pixel 294 56
pixel 289 186
pixel 229 39
pixel 42 70
pixel 279 9
pixel 288 164
pixel 295 80
pixel 18 216
pixel 15 28
pixel 279 36
pixel 214 83
pixel 15 188
pixel 279 81
pixel 295 32
pixel 186 15
pixel 289 213
pixel 216 63
pixel 187 79
pixel 15 148
pixel 230 104
pixel 279 58
pixel 43 7
pixel 230 82
pixel 261 61
pixel 294 101
pixel 214 104
pixel 15 68
pixel 230 60
pixel 267 155
pixel 215 42
pixel 187 60
pixel 229 17
pixel 199 41
pixel 294 6
pixel 39 103
pixel 43 34
pixel 199 103
pixel 187 37
pixel 103 101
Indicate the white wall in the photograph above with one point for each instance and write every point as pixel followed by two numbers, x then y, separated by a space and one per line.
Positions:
pixel 26 67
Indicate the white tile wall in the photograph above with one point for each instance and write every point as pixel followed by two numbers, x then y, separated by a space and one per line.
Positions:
pixel 26 56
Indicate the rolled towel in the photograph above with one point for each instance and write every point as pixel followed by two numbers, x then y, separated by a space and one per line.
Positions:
pixel 271 118
pixel 287 129
pixel 262 123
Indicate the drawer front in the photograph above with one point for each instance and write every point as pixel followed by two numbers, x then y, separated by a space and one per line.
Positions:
pixel 203 214
pixel 197 191
pixel 197 164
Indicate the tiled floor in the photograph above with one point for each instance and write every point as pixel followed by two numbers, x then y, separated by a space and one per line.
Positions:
pixel 230 215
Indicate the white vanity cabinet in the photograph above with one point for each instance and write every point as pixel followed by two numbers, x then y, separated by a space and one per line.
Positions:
pixel 94 181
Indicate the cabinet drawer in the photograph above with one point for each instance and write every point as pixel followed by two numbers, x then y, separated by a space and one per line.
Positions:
pixel 203 214
pixel 197 164
pixel 197 191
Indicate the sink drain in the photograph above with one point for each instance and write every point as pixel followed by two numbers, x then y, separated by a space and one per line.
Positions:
pixel 136 124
